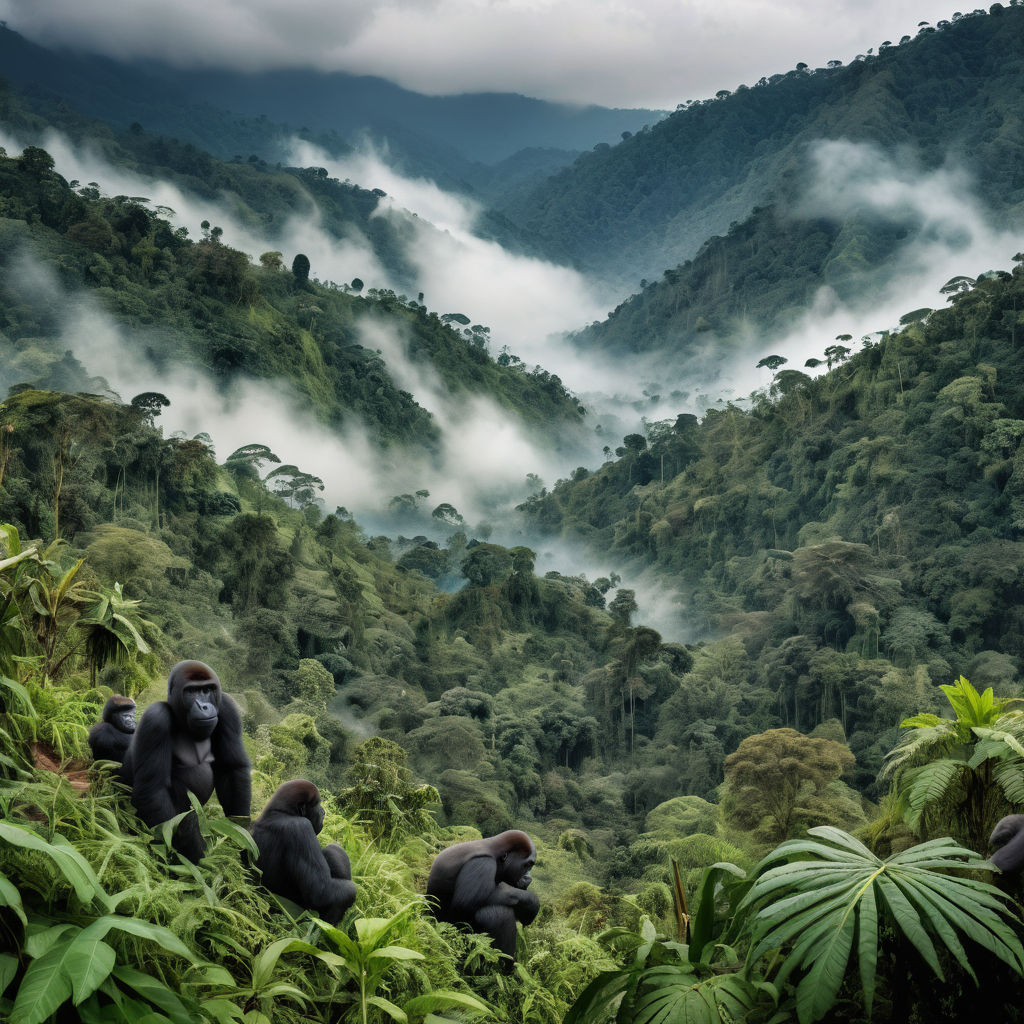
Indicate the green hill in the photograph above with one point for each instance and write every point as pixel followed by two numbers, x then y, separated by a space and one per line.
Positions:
pixel 953 92
pixel 204 303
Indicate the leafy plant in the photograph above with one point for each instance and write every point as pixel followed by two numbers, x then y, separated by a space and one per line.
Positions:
pixel 69 959
pixel 661 983
pixel 818 899
pixel 960 774
pixel 368 957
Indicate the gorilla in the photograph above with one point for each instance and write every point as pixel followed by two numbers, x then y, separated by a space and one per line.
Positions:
pixel 293 863
pixel 189 743
pixel 483 884
pixel 1008 836
pixel 109 738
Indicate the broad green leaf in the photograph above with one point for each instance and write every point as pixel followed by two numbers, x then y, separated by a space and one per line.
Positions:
pixel 43 989
pixel 395 953
pixel 241 837
pixel 212 974
pixel 393 1011
pixel 144 929
pixel 264 964
pixel 818 989
pixel 867 944
pixel 155 992
pixel 371 930
pixel 72 865
pixel 910 923
pixel 87 963
pixel 221 1010
pixel 8 969
pixel 702 923
pixel 40 939
pixel 443 999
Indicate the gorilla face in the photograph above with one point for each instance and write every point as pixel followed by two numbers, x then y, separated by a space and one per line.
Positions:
pixel 193 691
pixel 125 719
pixel 516 866
pixel 314 812
pixel 199 702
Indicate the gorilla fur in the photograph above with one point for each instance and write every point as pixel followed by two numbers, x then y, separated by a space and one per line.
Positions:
pixel 483 884
pixel 110 737
pixel 293 863
pixel 1008 835
pixel 189 743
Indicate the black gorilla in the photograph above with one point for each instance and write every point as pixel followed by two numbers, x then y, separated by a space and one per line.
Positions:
pixel 293 863
pixel 191 742
pixel 109 738
pixel 483 884
pixel 1008 836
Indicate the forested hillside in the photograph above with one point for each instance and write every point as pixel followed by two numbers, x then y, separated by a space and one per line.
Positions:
pixel 649 203
pixel 853 538
pixel 202 302
pixel 785 820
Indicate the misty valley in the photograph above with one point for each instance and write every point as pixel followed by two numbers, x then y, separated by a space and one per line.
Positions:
pixel 473 558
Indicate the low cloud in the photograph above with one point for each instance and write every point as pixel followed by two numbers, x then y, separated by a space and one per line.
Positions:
pixel 950 231
pixel 653 53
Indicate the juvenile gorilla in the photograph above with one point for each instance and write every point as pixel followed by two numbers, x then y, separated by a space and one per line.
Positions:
pixel 189 743
pixel 110 737
pixel 293 863
pixel 483 884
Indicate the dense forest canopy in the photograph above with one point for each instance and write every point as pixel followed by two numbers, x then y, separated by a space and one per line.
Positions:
pixel 847 543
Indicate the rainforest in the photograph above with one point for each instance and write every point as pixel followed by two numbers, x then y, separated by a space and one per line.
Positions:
pixel 627 503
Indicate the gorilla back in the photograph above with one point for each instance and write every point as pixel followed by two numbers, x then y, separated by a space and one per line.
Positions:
pixel 189 743
pixel 292 862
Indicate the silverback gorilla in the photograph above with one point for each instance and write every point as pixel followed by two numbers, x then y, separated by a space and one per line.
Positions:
pixel 293 863
pixel 1008 835
pixel 191 742
pixel 483 884
pixel 109 738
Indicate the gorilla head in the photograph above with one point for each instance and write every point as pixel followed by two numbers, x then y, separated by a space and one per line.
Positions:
pixel 110 737
pixel 517 858
pixel 298 798
pixel 120 713
pixel 193 691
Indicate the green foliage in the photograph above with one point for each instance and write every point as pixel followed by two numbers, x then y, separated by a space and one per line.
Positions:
pixel 959 775
pixel 383 795
pixel 832 896
pixel 371 955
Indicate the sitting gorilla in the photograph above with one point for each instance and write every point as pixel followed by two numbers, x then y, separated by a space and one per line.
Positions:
pixel 189 743
pixel 109 738
pixel 1008 836
pixel 293 863
pixel 483 884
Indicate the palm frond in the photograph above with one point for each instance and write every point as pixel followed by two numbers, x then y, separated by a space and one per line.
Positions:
pixel 825 905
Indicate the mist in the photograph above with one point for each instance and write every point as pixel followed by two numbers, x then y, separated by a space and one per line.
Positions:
pixel 950 231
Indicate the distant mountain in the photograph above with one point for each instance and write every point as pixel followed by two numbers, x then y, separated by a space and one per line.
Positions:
pixel 230 113
pixel 628 211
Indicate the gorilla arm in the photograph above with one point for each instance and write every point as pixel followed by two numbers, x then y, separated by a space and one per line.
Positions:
pixel 524 903
pixel 475 887
pixel 232 772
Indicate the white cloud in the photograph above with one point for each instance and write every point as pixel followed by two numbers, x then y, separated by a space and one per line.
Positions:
pixel 652 53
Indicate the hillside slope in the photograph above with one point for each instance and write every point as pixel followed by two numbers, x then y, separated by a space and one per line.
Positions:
pixel 648 203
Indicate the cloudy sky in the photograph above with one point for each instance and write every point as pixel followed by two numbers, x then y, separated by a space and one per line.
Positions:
pixel 653 53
